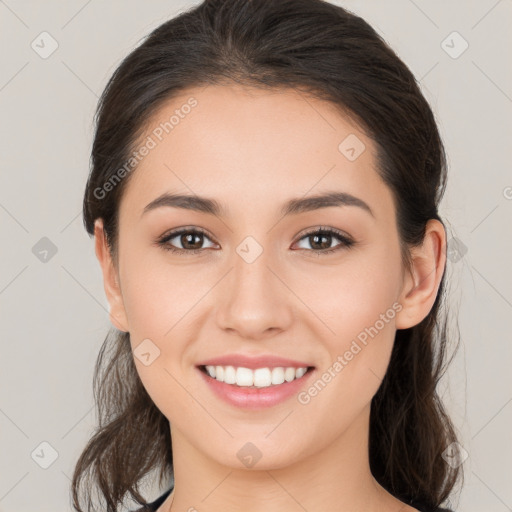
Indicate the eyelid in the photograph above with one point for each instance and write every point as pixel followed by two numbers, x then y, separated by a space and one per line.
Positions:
pixel 325 229
pixel 184 229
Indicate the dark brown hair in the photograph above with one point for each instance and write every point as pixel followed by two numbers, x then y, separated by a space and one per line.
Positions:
pixel 320 49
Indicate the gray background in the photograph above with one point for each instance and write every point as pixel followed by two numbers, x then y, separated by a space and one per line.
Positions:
pixel 54 314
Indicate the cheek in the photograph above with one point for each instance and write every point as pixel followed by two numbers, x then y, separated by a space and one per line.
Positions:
pixel 360 308
pixel 159 303
pixel 158 295
pixel 352 295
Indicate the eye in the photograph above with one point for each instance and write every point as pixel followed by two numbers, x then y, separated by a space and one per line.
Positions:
pixel 189 239
pixel 322 238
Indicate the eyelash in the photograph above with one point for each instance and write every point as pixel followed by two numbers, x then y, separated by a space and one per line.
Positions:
pixel 345 242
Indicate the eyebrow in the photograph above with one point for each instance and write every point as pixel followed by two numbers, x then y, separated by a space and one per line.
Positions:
pixel 291 207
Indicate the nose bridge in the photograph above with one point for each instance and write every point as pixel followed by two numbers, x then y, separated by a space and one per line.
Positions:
pixel 253 298
pixel 251 274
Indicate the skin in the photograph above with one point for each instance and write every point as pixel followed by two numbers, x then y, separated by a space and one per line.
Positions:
pixel 252 150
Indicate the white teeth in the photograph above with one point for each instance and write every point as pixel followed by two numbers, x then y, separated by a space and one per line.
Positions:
pixel 229 375
pixel 277 375
pixel 300 372
pixel 289 374
pixel 260 377
pixel 244 377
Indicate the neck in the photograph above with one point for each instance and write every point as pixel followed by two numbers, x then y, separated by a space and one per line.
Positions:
pixel 337 477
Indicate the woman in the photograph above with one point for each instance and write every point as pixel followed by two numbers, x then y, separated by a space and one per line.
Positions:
pixel 264 198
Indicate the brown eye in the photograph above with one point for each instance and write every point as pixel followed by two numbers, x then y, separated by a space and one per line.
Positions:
pixel 189 241
pixel 321 240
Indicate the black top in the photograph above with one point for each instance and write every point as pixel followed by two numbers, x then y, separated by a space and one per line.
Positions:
pixel 152 507
pixel 424 508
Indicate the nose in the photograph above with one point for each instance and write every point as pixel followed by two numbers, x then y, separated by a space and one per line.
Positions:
pixel 253 300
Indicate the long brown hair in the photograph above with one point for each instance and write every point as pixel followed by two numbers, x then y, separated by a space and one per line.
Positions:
pixel 326 51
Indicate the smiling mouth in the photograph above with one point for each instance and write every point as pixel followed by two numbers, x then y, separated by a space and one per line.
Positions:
pixel 255 379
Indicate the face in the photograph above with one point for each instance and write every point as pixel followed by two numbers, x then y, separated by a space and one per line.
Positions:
pixel 320 284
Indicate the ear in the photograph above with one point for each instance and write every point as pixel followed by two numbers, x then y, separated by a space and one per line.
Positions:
pixel 421 284
pixel 110 278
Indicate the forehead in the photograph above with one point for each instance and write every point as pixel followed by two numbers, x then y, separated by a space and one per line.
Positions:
pixel 263 145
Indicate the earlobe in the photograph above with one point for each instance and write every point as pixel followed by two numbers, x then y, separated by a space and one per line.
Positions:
pixel 110 279
pixel 422 282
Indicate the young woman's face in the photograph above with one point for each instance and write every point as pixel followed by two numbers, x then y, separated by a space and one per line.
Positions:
pixel 261 283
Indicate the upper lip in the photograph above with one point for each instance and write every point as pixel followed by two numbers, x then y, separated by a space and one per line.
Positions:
pixel 253 362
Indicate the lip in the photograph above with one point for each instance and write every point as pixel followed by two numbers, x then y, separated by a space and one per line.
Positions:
pixel 253 362
pixel 256 398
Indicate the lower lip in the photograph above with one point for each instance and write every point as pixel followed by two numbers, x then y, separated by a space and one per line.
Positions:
pixel 255 398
